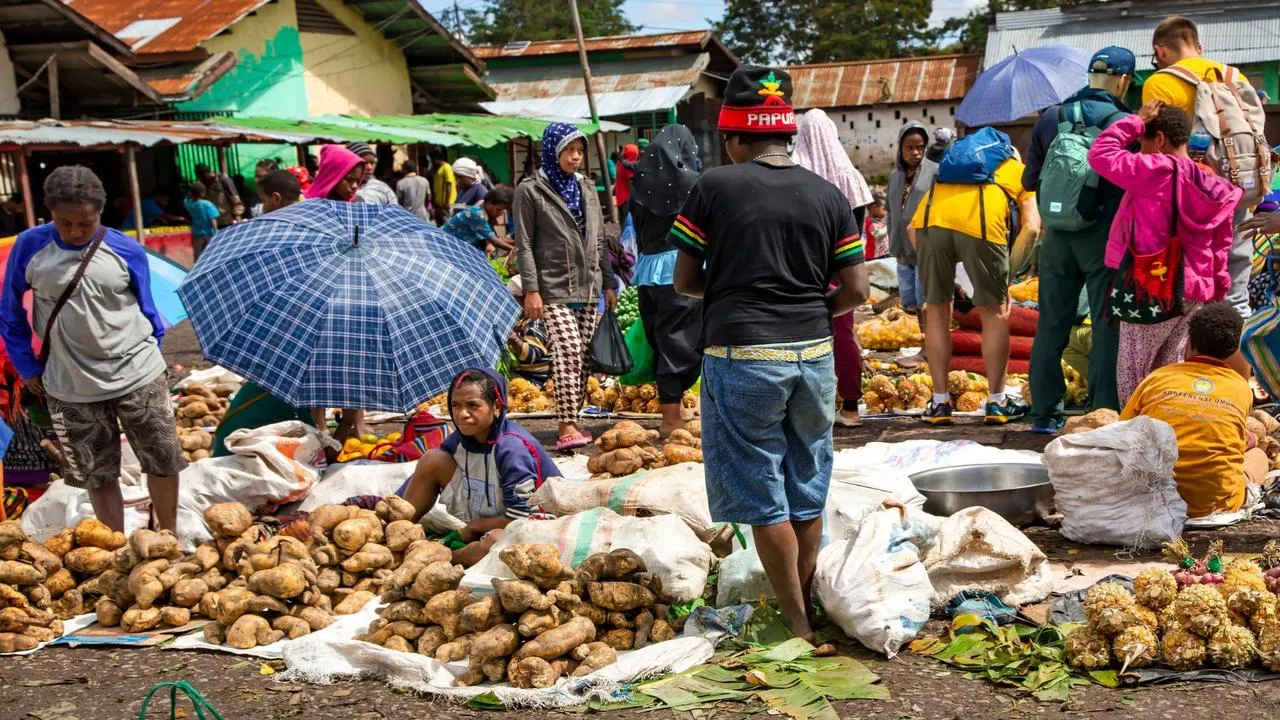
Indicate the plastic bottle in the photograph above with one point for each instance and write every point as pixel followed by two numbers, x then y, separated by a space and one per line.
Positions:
pixel 1198 145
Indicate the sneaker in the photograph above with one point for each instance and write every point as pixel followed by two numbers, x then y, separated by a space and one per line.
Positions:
pixel 1050 427
pixel 1007 412
pixel 938 414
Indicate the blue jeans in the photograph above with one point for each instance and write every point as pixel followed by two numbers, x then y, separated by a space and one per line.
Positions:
pixel 909 286
pixel 766 437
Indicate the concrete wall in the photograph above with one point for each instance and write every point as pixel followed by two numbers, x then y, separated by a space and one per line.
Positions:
pixel 365 74
pixel 870 134
pixel 9 103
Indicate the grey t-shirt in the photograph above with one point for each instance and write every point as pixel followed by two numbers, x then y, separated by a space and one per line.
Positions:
pixel 413 193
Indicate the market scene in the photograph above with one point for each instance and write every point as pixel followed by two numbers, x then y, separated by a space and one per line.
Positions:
pixel 377 358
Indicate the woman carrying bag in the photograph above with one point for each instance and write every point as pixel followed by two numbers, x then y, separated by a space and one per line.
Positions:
pixel 564 266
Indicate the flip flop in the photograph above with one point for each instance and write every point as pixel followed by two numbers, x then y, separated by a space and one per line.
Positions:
pixel 843 421
pixel 573 442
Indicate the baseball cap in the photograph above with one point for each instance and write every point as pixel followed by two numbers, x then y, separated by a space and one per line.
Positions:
pixel 1115 60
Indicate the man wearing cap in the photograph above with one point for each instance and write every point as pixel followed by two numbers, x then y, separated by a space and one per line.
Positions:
pixel 759 242
pixel 373 191
pixel 1073 260
pixel 471 189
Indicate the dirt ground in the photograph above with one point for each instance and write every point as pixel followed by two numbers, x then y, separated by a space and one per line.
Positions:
pixel 109 684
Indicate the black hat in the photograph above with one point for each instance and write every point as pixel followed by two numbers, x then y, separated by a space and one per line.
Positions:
pixel 758 100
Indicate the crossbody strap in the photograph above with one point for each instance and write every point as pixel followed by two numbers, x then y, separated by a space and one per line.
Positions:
pixel 66 293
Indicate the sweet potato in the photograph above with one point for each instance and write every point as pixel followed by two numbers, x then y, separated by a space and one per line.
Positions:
pixel 144 582
pixel 681 436
pixel 399 644
pixel 59 583
pixel 43 634
pixel 370 557
pixel 622 437
pixel 618 463
pixel 351 535
pixel 517 596
pixel 676 454
pixel 115 585
pixel 532 672
pixel 227 605
pixel 61 543
pixel 69 605
pixel 481 615
pixel 151 545
pixel 611 565
pixel 283 582
pixel 593 656
pixel 228 520
pixel 445 609
pixel 495 669
pixel 473 676
pixel 353 602
pixel 92 532
pixel 292 627
pixel 250 631
pixel 643 626
pixel 498 641
pixel 137 619
pixel 434 579
pixel 578 608
pixel 175 617
pixel 187 593
pixel 455 649
pixel 427 552
pixel 620 596
pixel 619 639
pixel 315 618
pixel 328 580
pixel 406 610
pixel 15 619
pixel 41 557
pixel 214 579
pixel 539 563
pixel 39 596
pixel 560 640
pixel 215 633
pixel 15 572
pixel 431 640
pixel 125 559
pixel 14 642
pixel 326 517
pixel 393 508
pixel 207 556
pixel 535 622
pixel 88 560
pixel 661 632
pixel 402 533
pixel 108 611
pixel 10 597
pixel 177 572
pixel 619 620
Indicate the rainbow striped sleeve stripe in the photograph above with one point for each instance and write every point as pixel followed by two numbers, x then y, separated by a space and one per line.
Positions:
pixel 692 238
pixel 849 250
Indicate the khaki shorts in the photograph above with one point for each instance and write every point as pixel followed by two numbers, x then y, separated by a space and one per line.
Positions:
pixel 938 250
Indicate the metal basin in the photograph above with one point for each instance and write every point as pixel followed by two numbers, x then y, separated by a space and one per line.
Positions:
pixel 1018 492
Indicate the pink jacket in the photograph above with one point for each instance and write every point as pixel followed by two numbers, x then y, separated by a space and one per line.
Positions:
pixel 1206 204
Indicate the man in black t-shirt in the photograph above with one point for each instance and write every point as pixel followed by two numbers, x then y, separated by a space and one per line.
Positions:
pixel 760 242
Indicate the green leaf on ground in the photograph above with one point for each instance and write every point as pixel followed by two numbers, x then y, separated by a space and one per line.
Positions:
pixel 783 652
pixel 765 628
pixel 486 701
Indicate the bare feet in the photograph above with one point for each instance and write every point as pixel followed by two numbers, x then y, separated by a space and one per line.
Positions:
pixel 848 419
pixel 673 418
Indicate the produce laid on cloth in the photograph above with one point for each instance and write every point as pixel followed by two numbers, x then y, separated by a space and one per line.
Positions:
pixel 892 330
pixel 200 410
pixel 552 621
pixel 59 576
pixel 368 446
pixel 628 448
pixel 882 394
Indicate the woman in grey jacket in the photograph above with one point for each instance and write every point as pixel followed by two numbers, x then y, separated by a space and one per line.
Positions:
pixel 564 266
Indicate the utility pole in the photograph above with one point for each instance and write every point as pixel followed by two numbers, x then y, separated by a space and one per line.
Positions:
pixel 595 116
pixel 457 20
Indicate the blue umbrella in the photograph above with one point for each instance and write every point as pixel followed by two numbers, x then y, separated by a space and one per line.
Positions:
pixel 330 304
pixel 166 276
pixel 1023 83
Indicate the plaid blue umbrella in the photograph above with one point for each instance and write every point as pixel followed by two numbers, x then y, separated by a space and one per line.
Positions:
pixel 1023 83
pixel 349 305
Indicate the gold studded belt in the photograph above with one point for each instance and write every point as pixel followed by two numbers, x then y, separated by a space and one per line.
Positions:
pixel 771 354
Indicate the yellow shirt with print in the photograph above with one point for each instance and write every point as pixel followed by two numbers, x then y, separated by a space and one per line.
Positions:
pixel 444 176
pixel 1206 403
pixel 1175 91
pixel 955 205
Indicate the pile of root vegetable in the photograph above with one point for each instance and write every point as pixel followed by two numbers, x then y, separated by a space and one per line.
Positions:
pixel 200 410
pixel 550 622
pixel 628 448
pixel 1198 615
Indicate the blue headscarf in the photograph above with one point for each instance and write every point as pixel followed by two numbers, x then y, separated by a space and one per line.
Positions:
pixel 555 139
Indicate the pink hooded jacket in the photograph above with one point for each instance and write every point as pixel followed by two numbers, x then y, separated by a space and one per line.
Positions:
pixel 335 163
pixel 1206 204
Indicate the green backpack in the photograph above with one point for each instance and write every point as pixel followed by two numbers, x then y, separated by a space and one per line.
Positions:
pixel 1067 196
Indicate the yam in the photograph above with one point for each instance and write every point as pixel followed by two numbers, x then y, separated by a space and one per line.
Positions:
pixel 393 508
pixel 399 644
pixel 43 634
pixel 108 612
pixel 619 620
pixel 621 437
pixel 1092 421
pixel 94 533
pixel 649 581
pixel 214 579
pixel 15 572
pixel 402 533
pixel 144 582
pixel 620 596
pixel 353 602
pixel 406 630
pixel 10 597
pixel 326 517
pixel 495 669
pixel 115 585
pixel 473 676
pixel 206 556
pixel 214 633
pixel 59 583
pixel 315 618
pixel 560 640
pixel 406 610
pixel 70 605
pixel 41 557
pixel 676 454
pixel 592 657
pixel 496 642
pixel 435 579
pixel 694 427
pixel 431 640
pixel 661 632
pixel 174 617
pixel 403 576
pixel 15 642
pixel 152 545
pixel 125 559
pixel 370 557
pixel 61 543
pixel 481 615
pixel 326 555
pixel 15 619
pixel 535 622
pixel 177 572
pixel 445 609
pixel 88 560
pixel 539 563
pixel 618 463
pixel 351 535
pixel 427 552
pixel 532 672
pixel 681 436
pixel 455 649
pixel 518 596
pixel 249 631
pixel 619 639
pixel 611 565
pixel 138 619
pixel 644 626
pixel 187 593
pixel 328 580
pixel 292 627
pixel 284 582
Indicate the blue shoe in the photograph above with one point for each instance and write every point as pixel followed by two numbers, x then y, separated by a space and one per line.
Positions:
pixel 1050 428
pixel 1006 412
pixel 938 414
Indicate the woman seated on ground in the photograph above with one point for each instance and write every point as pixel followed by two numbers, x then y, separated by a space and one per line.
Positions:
pixel 484 472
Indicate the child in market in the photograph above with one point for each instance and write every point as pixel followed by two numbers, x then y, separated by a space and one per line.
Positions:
pixel 876 227
pixel 485 471
pixel 278 189
pixel 204 216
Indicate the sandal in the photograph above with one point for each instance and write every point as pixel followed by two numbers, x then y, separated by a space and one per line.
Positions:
pixel 573 442
pixel 843 421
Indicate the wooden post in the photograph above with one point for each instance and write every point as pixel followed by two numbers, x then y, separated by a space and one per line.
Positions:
pixel 55 97
pixel 595 116
pixel 302 156
pixel 222 160
pixel 131 159
pixel 24 178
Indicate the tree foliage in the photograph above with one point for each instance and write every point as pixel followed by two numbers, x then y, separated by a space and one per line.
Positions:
pixel 969 32
pixel 807 31
pixel 498 22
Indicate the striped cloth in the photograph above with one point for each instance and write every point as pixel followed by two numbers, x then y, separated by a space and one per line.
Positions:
pixel 351 305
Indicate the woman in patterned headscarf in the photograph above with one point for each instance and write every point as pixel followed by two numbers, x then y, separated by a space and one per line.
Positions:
pixel 564 266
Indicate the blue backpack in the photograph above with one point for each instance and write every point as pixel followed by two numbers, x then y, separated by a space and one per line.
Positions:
pixel 974 158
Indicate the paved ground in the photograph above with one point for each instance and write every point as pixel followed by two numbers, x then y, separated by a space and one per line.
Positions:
pixel 105 684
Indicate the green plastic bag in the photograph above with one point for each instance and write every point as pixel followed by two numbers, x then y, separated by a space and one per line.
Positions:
pixel 641 354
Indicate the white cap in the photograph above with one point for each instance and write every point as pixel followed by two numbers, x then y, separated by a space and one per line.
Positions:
pixel 515 286
pixel 466 167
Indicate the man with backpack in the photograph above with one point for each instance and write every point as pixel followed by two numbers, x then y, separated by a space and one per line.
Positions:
pixel 1076 209
pixel 964 217
pixel 1227 120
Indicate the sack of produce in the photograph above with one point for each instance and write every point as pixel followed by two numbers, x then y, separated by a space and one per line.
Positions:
pixel 678 490
pixel 669 548
pixel 893 330
pixel 976 549
pixel 873 584
pixel 1114 485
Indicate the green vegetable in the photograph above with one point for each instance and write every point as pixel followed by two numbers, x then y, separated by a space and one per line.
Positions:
pixel 499 266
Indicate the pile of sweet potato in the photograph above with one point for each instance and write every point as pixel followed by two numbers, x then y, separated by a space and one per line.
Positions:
pixel 151 585
pixel 202 406
pixel 61 574
pixel 551 622
pixel 628 448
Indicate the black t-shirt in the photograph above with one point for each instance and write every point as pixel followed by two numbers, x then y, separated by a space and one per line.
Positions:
pixel 652 231
pixel 772 238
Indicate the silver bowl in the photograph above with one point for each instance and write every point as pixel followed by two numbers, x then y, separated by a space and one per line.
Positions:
pixel 1018 492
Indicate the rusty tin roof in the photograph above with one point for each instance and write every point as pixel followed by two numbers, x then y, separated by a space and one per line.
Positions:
pixel 873 82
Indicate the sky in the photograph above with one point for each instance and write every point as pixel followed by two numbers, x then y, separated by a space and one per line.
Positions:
pixel 667 15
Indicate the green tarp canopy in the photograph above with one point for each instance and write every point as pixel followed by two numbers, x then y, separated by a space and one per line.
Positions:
pixel 442 129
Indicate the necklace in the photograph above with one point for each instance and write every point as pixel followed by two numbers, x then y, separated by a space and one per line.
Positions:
pixel 772 154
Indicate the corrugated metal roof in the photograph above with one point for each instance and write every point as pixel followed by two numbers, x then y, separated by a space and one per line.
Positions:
pixel 608 104
pixel 612 42
pixel 147 133
pixel 165 26
pixel 562 81
pixel 1244 35
pixel 438 129
pixel 870 82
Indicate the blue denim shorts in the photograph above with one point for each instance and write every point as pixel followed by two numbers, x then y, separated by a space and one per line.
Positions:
pixel 909 290
pixel 766 436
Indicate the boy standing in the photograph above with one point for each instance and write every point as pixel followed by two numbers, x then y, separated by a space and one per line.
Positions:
pixel 204 218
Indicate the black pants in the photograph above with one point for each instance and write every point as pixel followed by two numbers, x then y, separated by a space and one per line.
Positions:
pixel 673 324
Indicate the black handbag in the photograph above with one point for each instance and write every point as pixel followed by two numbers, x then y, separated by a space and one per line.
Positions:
pixel 609 353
